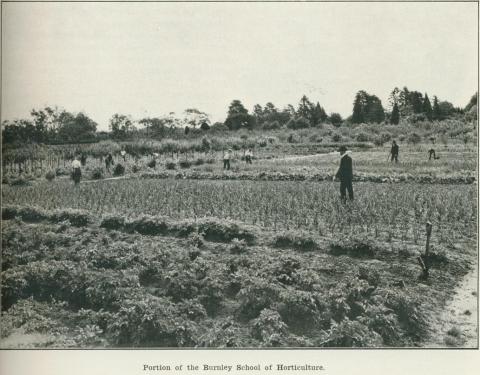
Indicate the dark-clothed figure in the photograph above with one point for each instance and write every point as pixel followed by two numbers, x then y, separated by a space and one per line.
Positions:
pixel 83 160
pixel 108 161
pixel 345 174
pixel 248 156
pixel 431 154
pixel 394 152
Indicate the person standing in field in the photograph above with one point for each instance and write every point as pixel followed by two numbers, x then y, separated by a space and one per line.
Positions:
pixel 226 159
pixel 394 152
pixel 77 171
pixel 248 156
pixel 83 159
pixel 108 161
pixel 345 175
pixel 123 153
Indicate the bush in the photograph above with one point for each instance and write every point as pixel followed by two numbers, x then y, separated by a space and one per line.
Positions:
pixel 238 246
pixel 336 119
pixel 297 240
pixel 50 175
pixel 97 173
pixel 184 164
pixel 256 294
pixel 113 222
pixel 119 170
pixel 362 137
pixel 224 231
pixel 170 165
pixel 135 168
pixel 199 161
pixel 336 137
pixel 19 181
pixel 78 218
pixel 414 138
pixel 270 328
pixel 354 247
pixel 152 163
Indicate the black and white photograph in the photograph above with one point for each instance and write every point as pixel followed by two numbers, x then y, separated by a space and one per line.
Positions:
pixel 239 175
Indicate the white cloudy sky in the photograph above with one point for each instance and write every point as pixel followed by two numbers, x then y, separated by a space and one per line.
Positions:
pixel 148 59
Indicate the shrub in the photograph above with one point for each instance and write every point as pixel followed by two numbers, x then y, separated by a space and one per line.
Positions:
pixel 113 222
pixel 62 172
pixel 256 294
pixel 362 137
pixel 238 246
pixel 298 240
pixel 271 125
pixel 50 175
pixel 354 247
pixel 224 231
pixel 185 164
pixel 299 309
pixel 199 161
pixel 119 170
pixel 336 137
pixel 196 239
pixel 152 163
pixel 291 138
pixel 336 119
pixel 170 165
pixel 414 138
pixel 210 161
pixel 135 168
pixel 75 217
pixel 350 333
pixel 97 173
pixel 19 181
pixel 270 328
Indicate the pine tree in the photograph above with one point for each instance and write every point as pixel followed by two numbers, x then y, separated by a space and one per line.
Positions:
pixel 358 109
pixel 395 116
pixel 436 111
pixel 427 107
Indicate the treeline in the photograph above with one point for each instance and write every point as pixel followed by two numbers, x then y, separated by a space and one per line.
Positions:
pixel 56 126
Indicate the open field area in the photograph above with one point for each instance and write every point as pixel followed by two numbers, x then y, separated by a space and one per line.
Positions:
pixel 194 259
pixel 166 248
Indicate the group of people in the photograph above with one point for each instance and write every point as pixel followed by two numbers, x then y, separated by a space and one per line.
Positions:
pixel 227 155
pixel 345 172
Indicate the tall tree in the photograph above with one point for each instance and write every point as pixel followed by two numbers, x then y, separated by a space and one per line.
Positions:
pixel 436 111
pixel 427 107
pixel 359 104
pixel 306 109
pixel 395 116
pixel 238 117
pixel 120 126
pixel 416 101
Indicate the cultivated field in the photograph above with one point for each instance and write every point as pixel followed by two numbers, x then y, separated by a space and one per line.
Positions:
pixel 262 255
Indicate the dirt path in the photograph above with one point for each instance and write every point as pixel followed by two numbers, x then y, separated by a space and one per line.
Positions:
pixel 457 325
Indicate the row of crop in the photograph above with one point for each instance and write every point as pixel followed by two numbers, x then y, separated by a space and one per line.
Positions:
pixel 276 176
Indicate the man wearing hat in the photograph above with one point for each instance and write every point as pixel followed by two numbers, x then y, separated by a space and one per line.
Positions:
pixel 345 175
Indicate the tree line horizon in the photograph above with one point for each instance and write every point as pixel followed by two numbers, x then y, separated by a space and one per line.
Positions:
pixel 54 125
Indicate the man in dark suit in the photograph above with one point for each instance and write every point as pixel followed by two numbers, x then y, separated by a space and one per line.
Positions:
pixel 345 174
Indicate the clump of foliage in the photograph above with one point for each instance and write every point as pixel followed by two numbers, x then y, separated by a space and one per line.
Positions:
pixel 297 240
pixel 119 170
pixel 50 175
pixel 97 173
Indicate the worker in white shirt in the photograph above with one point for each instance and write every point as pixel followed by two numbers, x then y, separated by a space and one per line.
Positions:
pixel 77 171
pixel 248 156
pixel 226 159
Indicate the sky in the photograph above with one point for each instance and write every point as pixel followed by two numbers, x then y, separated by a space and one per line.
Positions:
pixel 149 59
